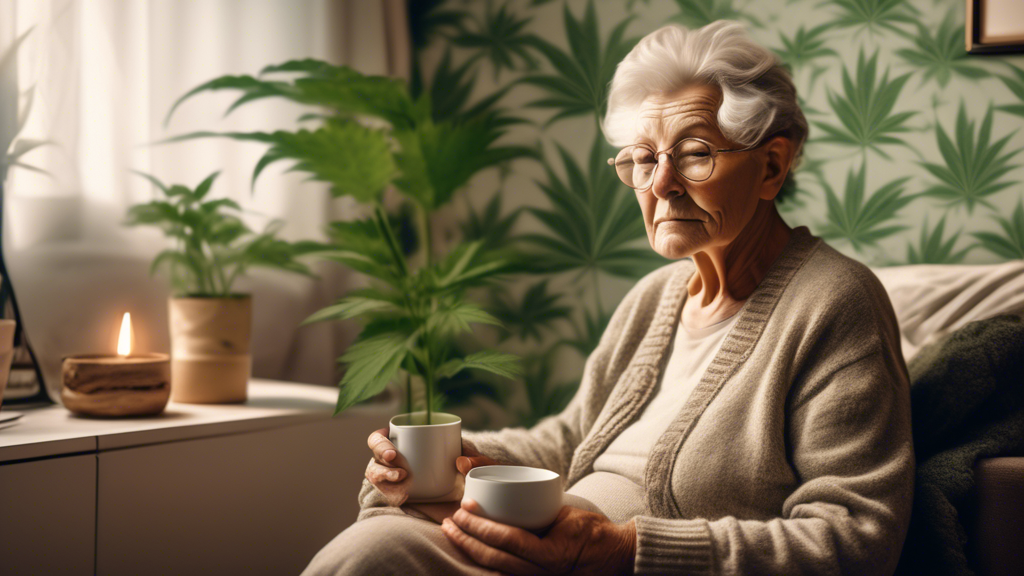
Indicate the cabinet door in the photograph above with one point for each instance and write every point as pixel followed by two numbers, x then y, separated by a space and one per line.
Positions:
pixel 48 516
pixel 253 503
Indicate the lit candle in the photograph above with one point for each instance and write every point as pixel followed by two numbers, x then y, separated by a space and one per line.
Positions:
pixel 123 385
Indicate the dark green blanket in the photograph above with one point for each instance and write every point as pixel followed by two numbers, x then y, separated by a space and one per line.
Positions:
pixel 967 402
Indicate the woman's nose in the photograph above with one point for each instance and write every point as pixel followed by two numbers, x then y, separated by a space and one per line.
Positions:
pixel 666 183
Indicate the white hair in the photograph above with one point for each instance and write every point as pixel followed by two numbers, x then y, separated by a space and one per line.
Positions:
pixel 758 96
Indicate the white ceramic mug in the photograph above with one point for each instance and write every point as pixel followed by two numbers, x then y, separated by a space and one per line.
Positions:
pixel 430 450
pixel 529 498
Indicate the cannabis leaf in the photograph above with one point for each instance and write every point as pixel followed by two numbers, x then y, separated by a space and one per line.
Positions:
pixel 593 222
pixel 499 38
pixel 213 247
pixel 1010 246
pixel 580 85
pixel 805 46
pixel 942 55
pixel 586 337
pixel 865 109
pixel 871 15
pixel 973 169
pixel 1016 85
pixel 489 225
pixel 862 222
pixel 545 398
pixel 698 13
pixel 536 312
pixel 932 249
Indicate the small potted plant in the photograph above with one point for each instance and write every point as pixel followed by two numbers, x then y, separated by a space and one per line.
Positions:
pixel 210 323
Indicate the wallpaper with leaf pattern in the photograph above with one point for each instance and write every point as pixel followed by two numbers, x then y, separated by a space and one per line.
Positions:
pixel 913 157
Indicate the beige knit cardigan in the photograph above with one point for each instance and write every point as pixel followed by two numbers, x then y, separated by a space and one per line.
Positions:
pixel 793 455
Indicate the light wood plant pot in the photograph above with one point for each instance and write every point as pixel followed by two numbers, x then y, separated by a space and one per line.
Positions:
pixel 210 360
pixel 6 353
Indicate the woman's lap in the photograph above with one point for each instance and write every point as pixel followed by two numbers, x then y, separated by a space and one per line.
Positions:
pixel 393 543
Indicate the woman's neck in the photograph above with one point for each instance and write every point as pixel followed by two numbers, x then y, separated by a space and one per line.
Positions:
pixel 727 275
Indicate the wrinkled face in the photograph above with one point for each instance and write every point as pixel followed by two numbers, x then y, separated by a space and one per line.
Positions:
pixel 684 217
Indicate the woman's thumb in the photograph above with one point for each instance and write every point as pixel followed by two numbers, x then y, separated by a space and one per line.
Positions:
pixel 467 463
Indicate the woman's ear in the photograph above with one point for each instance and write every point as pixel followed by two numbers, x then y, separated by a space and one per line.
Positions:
pixel 778 158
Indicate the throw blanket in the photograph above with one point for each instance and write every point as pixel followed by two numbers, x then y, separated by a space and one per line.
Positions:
pixel 967 402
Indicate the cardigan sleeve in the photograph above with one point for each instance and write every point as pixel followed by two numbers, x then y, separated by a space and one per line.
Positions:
pixel 851 447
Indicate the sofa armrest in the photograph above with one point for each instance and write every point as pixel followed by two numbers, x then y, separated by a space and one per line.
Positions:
pixel 995 528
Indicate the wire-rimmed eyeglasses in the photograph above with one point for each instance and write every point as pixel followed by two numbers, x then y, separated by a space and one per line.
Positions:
pixel 693 159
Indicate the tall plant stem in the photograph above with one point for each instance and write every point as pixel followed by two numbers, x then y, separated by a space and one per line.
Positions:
pixel 408 393
pixel 424 218
pixel 428 378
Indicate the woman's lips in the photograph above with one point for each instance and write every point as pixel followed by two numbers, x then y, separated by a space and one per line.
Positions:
pixel 663 220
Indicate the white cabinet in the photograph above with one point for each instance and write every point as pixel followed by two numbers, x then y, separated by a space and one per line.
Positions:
pixel 257 488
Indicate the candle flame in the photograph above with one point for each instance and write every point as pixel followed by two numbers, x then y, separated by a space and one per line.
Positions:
pixel 124 340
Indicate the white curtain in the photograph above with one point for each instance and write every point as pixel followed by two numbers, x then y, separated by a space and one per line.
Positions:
pixel 104 74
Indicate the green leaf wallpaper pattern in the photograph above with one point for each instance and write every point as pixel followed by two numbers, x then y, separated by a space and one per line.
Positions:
pixel 865 109
pixel 859 221
pixel 971 169
pixel 579 85
pixel 942 55
pixel 932 249
pixel 913 152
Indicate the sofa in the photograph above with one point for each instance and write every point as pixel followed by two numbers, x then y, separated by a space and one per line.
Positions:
pixel 932 302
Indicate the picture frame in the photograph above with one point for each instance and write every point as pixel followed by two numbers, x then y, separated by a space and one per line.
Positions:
pixel 994 26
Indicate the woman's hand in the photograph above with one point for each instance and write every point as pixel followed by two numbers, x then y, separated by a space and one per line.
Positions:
pixel 389 471
pixel 579 541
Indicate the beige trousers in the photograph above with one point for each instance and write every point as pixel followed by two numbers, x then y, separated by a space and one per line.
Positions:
pixel 405 541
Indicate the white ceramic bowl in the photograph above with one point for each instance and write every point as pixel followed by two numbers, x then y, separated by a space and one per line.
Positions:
pixel 529 498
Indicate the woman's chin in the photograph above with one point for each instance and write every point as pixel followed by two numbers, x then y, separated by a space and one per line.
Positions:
pixel 675 245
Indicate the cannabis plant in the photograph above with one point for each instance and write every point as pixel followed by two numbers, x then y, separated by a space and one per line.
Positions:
pixel 411 313
pixel 213 247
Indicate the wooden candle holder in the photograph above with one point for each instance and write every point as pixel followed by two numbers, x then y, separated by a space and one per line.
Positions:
pixel 113 386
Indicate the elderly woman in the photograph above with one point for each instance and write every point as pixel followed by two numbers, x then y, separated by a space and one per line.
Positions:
pixel 747 409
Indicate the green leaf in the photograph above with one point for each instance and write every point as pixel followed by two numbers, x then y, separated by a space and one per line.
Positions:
pixel 347 92
pixel 805 46
pixel 499 363
pixel 489 227
pixel 205 185
pixel 163 187
pixel 354 160
pixel 698 13
pixel 593 221
pixel 1011 245
pixel 534 313
pixel 933 249
pixel 449 321
pixel 586 337
pixel 974 168
pixel 358 303
pixel 943 55
pixel 861 222
pixel 498 37
pixel 580 84
pixel 439 158
pixel 371 364
pixel 865 109
pixel 873 15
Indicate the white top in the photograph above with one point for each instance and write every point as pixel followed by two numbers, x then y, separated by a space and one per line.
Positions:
pixel 622 464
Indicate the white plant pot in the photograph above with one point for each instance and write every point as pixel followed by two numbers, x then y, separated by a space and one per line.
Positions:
pixel 429 450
